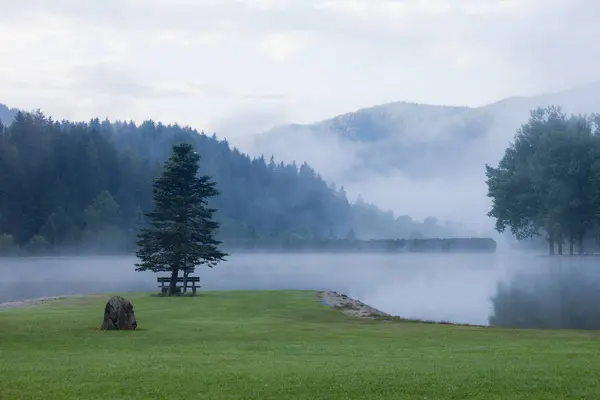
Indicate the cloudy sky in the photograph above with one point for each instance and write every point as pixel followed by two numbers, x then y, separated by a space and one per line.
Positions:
pixel 241 65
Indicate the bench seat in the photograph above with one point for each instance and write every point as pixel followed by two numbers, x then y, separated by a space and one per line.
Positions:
pixel 166 280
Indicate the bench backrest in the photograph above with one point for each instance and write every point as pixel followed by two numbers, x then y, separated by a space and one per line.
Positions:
pixel 162 279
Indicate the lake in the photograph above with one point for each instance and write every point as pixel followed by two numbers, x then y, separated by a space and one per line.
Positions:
pixel 502 289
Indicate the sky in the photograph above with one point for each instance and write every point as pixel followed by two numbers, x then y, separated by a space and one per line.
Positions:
pixel 239 66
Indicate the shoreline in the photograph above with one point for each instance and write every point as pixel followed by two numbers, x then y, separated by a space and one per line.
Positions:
pixel 339 301
pixel 350 306
pixel 32 302
pixel 344 303
pixel 356 308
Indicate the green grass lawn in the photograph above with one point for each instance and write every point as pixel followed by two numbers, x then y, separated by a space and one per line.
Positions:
pixel 279 345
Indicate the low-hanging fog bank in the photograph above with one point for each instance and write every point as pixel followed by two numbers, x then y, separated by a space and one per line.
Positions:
pixel 522 290
pixel 416 159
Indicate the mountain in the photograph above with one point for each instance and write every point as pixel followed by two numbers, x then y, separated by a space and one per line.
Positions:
pixel 417 159
pixel 68 186
pixel 396 135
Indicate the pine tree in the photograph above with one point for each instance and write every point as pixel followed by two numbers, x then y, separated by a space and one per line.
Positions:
pixel 180 235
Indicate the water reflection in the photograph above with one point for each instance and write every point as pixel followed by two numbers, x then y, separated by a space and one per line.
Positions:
pixel 554 293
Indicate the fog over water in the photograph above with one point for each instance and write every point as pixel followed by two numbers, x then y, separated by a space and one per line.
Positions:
pixel 513 289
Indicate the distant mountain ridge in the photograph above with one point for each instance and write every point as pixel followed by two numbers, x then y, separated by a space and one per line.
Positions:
pixel 404 136
pixel 401 153
pixel 412 125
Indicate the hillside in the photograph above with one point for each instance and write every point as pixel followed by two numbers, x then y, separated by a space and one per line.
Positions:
pixel 398 135
pixel 415 158
pixel 88 185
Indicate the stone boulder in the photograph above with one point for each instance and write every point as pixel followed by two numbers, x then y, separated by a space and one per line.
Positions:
pixel 118 315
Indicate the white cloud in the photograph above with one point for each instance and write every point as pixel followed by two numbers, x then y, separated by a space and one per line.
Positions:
pixel 280 47
pixel 336 55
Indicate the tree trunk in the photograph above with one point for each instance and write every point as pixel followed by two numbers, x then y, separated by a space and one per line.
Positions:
pixel 571 243
pixel 551 246
pixel 173 283
pixel 185 276
pixel 580 239
pixel 560 252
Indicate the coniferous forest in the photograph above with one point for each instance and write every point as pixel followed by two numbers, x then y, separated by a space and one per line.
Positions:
pixel 68 187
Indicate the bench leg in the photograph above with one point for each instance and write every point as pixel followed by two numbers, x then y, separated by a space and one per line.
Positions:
pixel 194 288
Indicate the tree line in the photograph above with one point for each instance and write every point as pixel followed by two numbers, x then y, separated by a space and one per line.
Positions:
pixel 86 186
pixel 430 245
pixel 547 184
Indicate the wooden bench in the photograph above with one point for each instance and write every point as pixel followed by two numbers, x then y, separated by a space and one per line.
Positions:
pixel 165 281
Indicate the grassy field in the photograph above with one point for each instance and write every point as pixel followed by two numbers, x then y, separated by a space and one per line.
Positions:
pixel 279 345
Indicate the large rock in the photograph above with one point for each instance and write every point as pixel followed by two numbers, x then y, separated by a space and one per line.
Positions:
pixel 118 315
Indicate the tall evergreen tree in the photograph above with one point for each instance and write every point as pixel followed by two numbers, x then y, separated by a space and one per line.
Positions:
pixel 180 235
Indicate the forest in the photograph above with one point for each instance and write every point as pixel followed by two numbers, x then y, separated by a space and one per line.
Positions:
pixel 85 187
pixel 547 184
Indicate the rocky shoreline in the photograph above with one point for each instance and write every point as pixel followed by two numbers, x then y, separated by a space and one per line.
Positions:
pixel 350 306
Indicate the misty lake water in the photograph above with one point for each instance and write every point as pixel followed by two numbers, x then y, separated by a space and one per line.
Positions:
pixel 519 290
